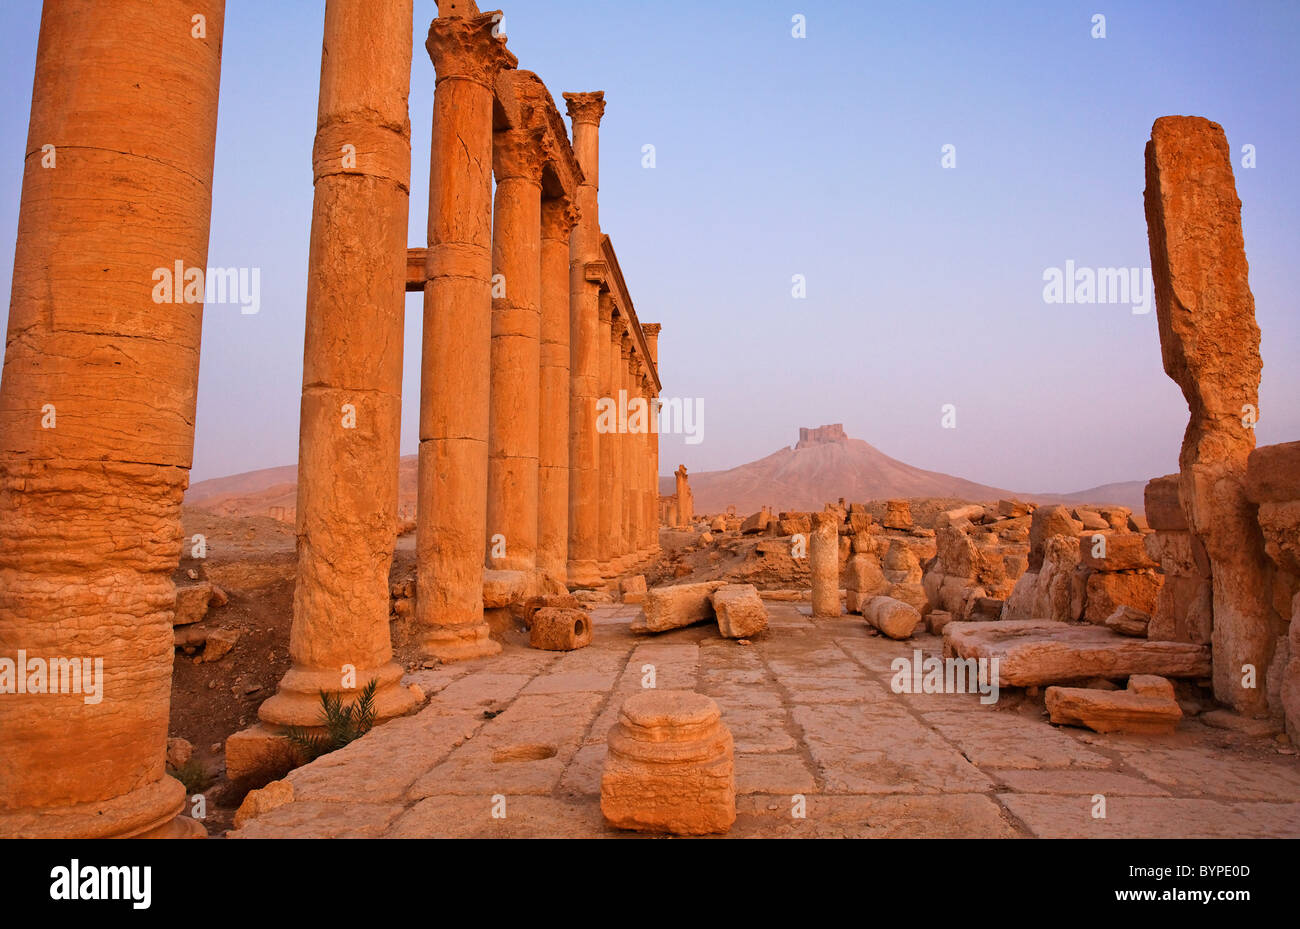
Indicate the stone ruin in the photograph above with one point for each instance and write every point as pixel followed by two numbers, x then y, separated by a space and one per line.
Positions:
pixel 523 497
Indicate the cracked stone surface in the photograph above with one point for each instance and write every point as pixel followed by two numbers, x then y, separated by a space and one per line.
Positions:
pixel 513 746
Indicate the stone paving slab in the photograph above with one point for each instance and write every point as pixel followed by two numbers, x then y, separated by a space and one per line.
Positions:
pixel 514 745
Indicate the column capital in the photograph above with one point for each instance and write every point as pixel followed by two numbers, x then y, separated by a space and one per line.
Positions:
pixel 521 154
pixel 467 47
pixel 559 217
pixel 651 330
pixel 588 107
pixel 605 308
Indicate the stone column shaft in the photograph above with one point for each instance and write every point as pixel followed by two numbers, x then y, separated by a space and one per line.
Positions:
pixel 611 453
pixel 352 367
pixel 456 368
pixel 632 464
pixel 558 218
pixel 824 562
pixel 586 348
pixel 516 352
pixel 97 407
pixel 652 331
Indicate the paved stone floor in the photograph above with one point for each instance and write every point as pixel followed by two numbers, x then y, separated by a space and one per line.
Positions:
pixel 813 716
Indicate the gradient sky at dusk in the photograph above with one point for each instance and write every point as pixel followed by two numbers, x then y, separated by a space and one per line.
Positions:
pixel 778 156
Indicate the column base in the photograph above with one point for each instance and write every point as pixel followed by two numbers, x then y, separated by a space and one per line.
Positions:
pixel 144 812
pixel 584 574
pixel 297 703
pixel 460 642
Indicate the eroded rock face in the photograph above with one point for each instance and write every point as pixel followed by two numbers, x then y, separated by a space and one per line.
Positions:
pixel 1209 342
pixel 669 767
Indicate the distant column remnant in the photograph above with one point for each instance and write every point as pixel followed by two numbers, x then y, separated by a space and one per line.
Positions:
pixel 97 411
pixel 685 499
pixel 1210 345
pixel 824 562
pixel 455 382
pixel 352 368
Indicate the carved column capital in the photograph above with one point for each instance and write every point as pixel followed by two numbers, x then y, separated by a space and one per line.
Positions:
pixel 521 154
pixel 586 107
pixel 468 48
pixel 559 217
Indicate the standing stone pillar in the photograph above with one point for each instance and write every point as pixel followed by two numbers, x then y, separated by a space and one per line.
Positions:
pixel 558 218
pixel 1210 346
pixel 631 463
pixel 586 347
pixel 649 506
pixel 611 453
pixel 685 502
pixel 456 370
pixel 824 563
pixel 652 331
pixel 605 434
pixel 519 157
pixel 97 411
pixel 352 368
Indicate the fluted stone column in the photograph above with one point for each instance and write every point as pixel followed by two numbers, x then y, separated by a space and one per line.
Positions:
pixel 97 406
pixel 824 563
pixel 456 369
pixel 518 157
pixel 352 367
pixel 586 348
pixel 558 218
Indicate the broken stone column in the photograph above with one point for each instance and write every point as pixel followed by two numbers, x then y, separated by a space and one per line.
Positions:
pixel 456 367
pixel 824 563
pixel 1210 346
pixel 685 500
pixel 97 410
pixel 669 767
pixel 560 629
pixel 352 368
pixel 1184 607
pixel 518 157
pixel 585 347
pixel 558 218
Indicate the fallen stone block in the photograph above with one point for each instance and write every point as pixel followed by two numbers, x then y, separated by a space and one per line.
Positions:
pixel 1036 652
pixel 257 802
pixel 259 753
pixel 936 620
pixel 634 588
pixel 1164 510
pixel 898 515
pixel 1115 551
pixel 1147 707
pixel 893 618
pixel 219 643
pixel 670 766
pixel 740 611
pixel 192 603
pixel 560 630
pixel 502 588
pixel 677 605
pixel 1107 591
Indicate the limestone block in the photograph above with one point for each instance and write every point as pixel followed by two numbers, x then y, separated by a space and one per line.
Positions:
pixel 756 522
pixel 1107 591
pixel 1048 521
pixel 678 605
pixel 634 589
pixel 893 618
pixel 257 802
pixel 502 588
pixel 192 603
pixel 1037 652
pixel 1010 509
pixel 560 630
pixel 936 620
pixel 1128 621
pixel 740 611
pixel 865 580
pixel 1091 519
pixel 669 767
pixel 1147 707
pixel 1184 611
pixel 1115 551
pixel 898 514
pixel 912 594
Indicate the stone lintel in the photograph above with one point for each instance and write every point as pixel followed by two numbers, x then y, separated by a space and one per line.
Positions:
pixel 623 298
pixel 415 276
pixel 523 102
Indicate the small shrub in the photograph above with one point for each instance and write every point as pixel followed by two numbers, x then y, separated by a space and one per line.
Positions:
pixel 341 724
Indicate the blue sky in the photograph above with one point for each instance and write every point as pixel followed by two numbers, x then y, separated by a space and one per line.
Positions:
pixel 819 156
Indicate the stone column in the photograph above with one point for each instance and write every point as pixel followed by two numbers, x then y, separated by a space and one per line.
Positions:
pixel 456 367
pixel 586 348
pixel 352 367
pixel 605 438
pixel 558 218
pixel 824 563
pixel 685 507
pixel 611 454
pixel 518 157
pixel 1210 345
pixel 649 506
pixel 631 463
pixel 652 331
pixel 97 410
